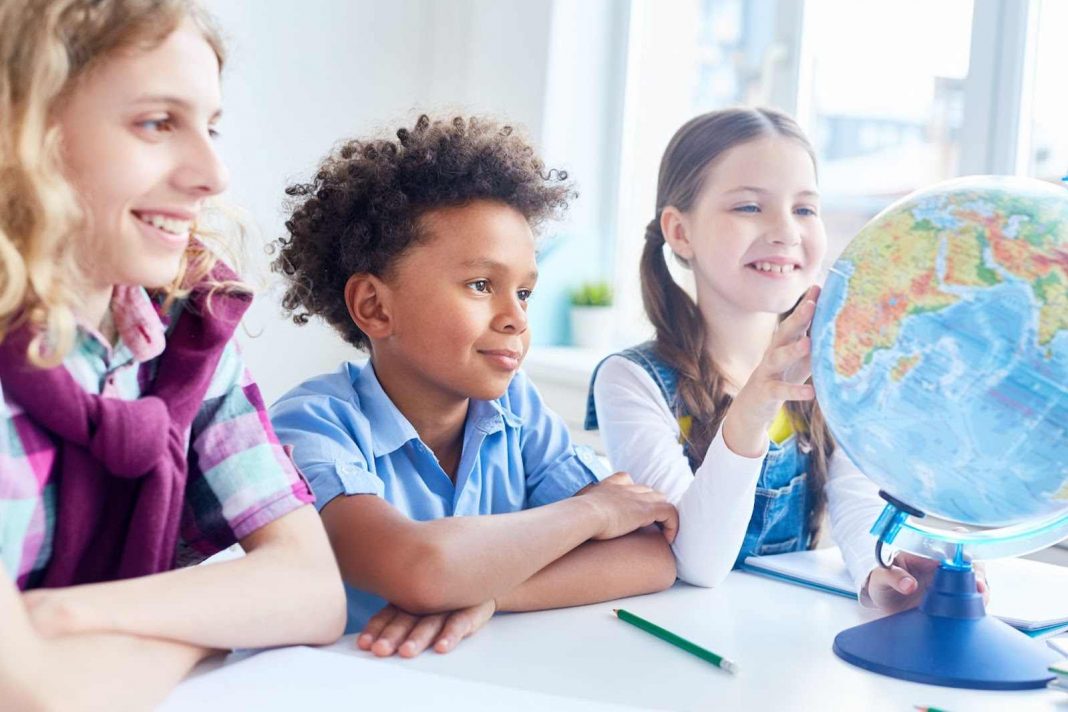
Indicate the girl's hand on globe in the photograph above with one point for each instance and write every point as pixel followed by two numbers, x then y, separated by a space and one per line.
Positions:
pixel 902 586
pixel 781 376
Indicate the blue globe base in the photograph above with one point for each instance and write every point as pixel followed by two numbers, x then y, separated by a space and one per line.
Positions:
pixel 950 641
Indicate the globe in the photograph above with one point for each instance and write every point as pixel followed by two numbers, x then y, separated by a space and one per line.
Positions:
pixel 940 350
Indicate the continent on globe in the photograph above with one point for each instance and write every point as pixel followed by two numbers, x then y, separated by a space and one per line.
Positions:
pixel 940 350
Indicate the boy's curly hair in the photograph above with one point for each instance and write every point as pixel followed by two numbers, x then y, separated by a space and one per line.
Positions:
pixel 362 209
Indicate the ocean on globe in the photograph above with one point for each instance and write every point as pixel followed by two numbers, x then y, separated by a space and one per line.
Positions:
pixel 940 350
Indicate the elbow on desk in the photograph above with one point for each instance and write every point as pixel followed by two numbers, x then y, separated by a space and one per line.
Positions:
pixel 664 576
pixel 335 612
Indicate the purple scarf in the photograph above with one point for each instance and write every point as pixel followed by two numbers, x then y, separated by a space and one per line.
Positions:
pixel 121 466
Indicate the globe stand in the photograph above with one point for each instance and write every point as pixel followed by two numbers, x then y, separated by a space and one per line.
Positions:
pixel 949 640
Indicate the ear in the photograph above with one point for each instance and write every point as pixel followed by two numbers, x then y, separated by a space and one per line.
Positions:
pixel 368 300
pixel 675 227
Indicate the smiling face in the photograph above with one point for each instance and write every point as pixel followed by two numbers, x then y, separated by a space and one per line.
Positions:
pixel 754 238
pixel 458 303
pixel 138 149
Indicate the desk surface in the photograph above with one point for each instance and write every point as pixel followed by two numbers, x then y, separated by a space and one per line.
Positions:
pixel 779 634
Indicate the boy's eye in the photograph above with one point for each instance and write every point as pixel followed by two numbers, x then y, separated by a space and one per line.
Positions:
pixel 749 208
pixel 479 285
pixel 213 132
pixel 525 294
pixel 807 211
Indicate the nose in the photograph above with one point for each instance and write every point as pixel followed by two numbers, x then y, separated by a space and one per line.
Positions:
pixel 202 172
pixel 783 229
pixel 511 315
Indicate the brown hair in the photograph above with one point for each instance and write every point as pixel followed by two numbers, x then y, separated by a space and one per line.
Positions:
pixel 680 329
pixel 46 48
pixel 361 210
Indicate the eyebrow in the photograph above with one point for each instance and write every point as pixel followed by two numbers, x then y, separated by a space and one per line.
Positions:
pixel 761 191
pixel 493 265
pixel 171 100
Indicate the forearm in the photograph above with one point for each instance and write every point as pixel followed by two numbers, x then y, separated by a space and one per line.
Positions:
pixel 80 671
pixel 103 672
pixel 714 515
pixel 472 559
pixel 285 590
pixel 853 504
pixel 631 565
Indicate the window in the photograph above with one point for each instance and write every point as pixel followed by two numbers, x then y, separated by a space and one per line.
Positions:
pixel 894 95
pixel 1046 153
pixel 881 95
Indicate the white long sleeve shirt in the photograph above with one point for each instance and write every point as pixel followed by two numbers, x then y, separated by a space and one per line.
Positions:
pixel 641 437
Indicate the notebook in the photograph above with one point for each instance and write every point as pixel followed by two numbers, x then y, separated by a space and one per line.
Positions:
pixel 1028 595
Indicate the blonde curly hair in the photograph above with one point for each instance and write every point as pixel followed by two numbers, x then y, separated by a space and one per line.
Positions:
pixel 46 47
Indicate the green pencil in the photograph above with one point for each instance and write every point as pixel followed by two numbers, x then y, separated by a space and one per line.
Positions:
pixel 678 641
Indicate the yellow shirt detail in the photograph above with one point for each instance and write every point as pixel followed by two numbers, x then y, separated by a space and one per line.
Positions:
pixel 780 430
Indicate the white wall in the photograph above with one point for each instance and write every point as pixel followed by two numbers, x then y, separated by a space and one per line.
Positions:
pixel 301 76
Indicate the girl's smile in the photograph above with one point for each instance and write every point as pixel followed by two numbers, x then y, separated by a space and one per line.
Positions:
pixel 157 110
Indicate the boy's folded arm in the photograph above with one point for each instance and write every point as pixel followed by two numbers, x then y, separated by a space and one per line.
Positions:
pixel 288 577
pixel 453 562
pixel 630 565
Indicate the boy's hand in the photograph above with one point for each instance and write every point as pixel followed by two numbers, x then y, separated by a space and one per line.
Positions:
pixel 392 630
pixel 781 376
pixel 624 507
pixel 902 586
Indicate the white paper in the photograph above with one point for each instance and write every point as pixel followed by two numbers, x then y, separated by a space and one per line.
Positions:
pixel 299 678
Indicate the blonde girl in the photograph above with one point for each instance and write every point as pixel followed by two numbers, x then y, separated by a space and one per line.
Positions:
pixel 132 440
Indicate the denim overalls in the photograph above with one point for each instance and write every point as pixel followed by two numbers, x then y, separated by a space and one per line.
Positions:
pixel 780 510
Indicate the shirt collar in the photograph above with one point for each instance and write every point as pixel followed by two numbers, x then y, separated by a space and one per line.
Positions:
pixel 137 322
pixel 390 429
pixel 140 329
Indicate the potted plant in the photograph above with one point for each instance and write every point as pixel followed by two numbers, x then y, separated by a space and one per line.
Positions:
pixel 591 315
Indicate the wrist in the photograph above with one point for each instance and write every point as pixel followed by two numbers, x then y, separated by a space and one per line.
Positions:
pixel 864 594
pixel 593 516
pixel 743 438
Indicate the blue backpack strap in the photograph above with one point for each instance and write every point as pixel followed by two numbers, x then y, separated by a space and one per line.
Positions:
pixel 665 377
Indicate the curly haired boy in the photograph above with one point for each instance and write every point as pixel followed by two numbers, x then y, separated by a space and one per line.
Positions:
pixel 447 487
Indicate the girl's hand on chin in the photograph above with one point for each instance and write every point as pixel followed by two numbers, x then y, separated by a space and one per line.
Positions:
pixel 781 376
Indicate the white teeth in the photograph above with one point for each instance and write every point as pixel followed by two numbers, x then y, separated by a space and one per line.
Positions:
pixel 171 225
pixel 769 267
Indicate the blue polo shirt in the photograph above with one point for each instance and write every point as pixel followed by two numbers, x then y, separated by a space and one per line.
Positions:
pixel 348 438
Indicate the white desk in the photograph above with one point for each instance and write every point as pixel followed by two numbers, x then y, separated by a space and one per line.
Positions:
pixel 778 633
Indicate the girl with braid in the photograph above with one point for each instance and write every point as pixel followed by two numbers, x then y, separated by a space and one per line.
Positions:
pixel 717 411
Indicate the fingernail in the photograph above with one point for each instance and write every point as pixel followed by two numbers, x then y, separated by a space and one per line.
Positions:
pixel 908 585
pixel 408 647
pixel 364 639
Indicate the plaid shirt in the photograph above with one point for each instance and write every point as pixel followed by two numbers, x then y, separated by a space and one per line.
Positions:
pixel 239 477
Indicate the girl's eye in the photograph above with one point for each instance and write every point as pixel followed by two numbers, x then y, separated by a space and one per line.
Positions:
pixel 806 211
pixel 479 285
pixel 525 294
pixel 156 125
pixel 213 132
pixel 750 208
